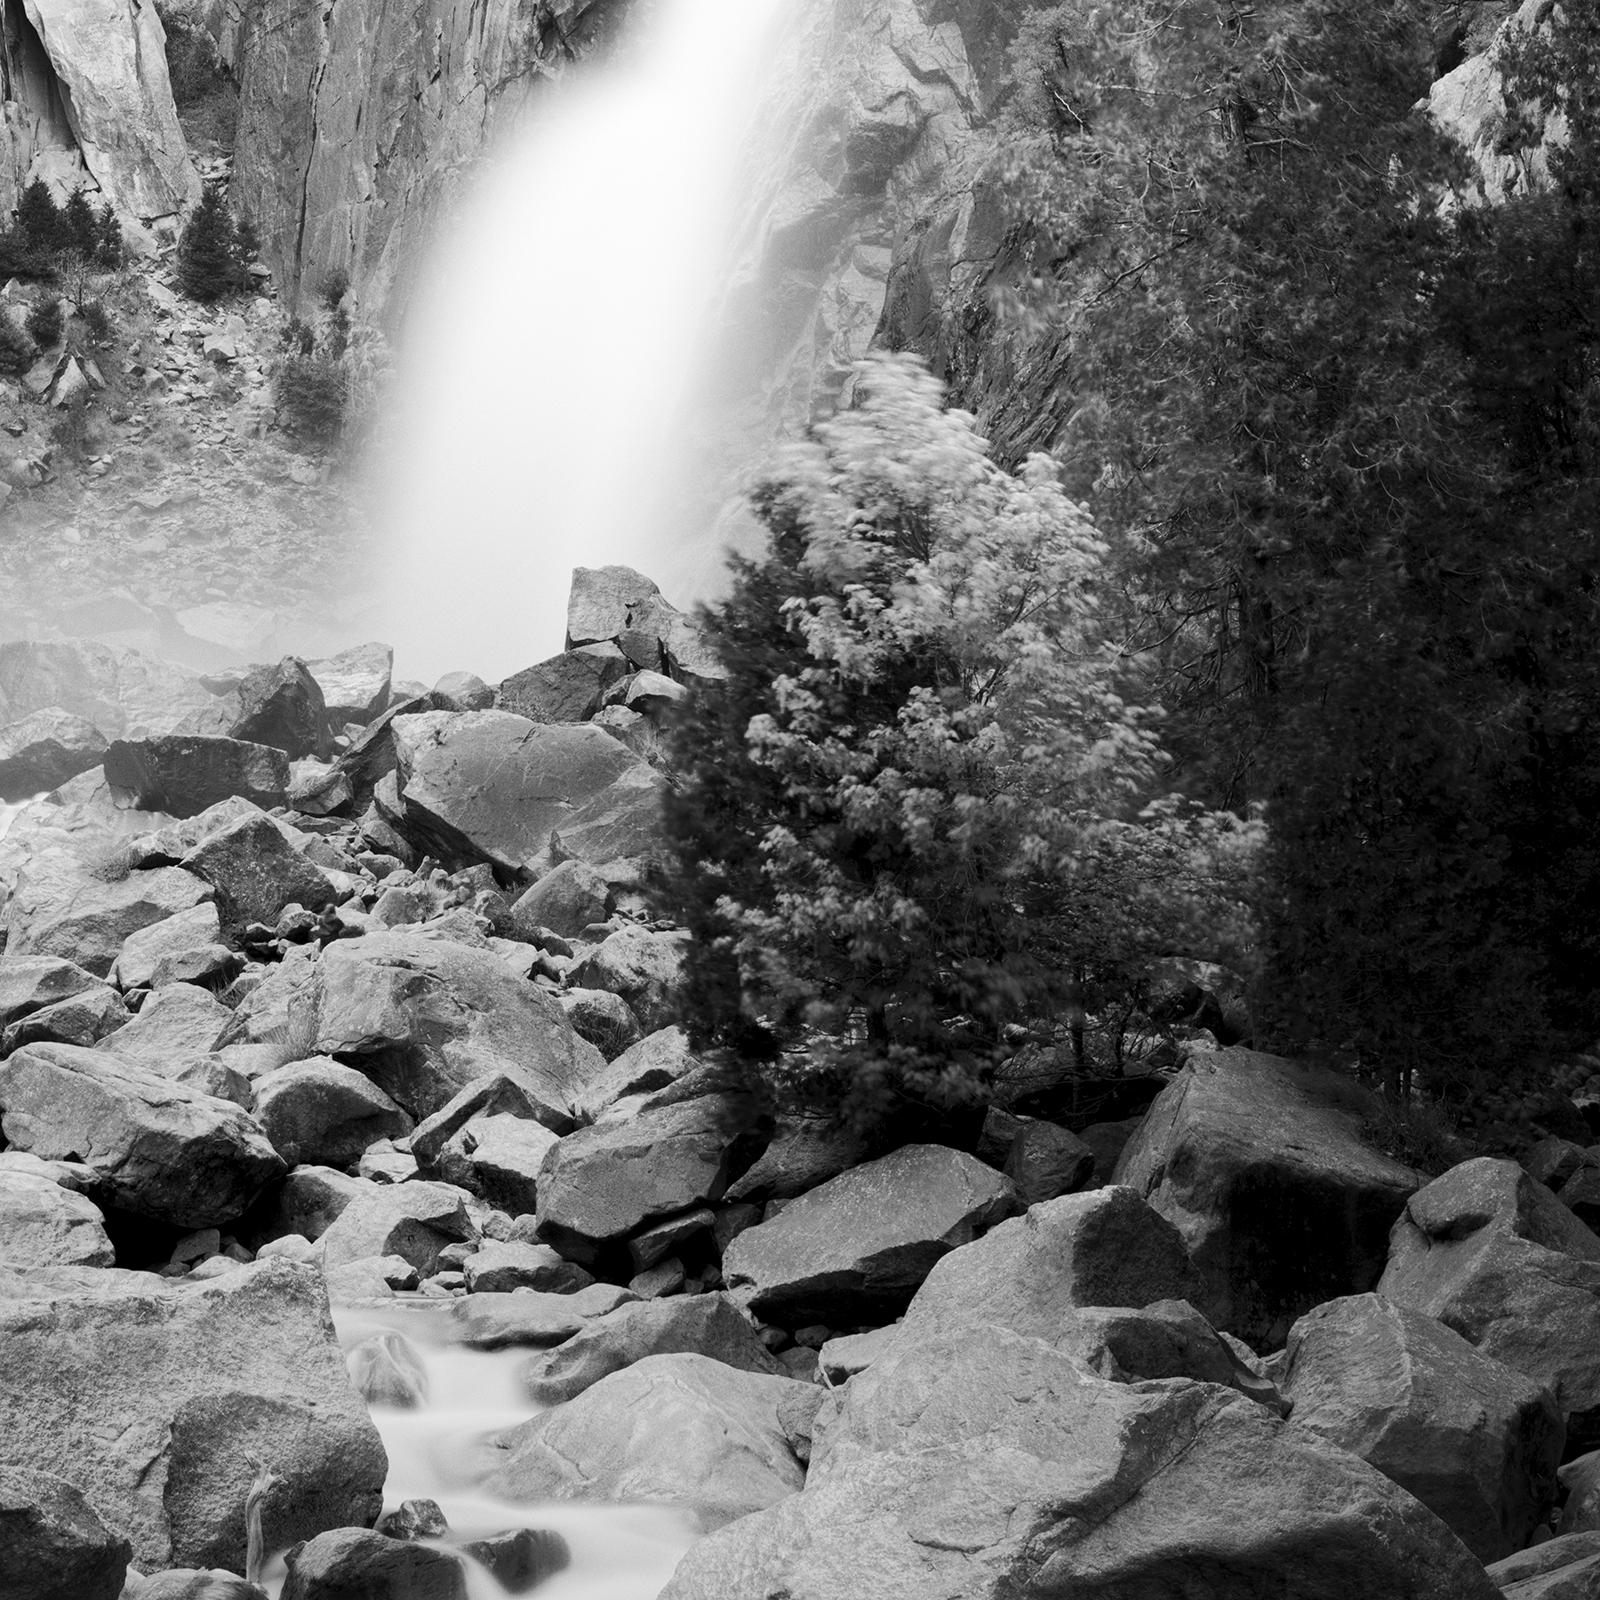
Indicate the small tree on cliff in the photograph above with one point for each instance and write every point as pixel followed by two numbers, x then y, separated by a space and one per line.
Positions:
pixel 912 820
pixel 209 265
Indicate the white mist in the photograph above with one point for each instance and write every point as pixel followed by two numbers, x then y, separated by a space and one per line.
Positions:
pixel 549 362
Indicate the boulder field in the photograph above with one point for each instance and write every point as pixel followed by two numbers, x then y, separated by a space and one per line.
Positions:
pixel 395 1025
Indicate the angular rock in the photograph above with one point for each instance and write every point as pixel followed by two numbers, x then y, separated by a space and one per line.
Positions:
pixel 63 907
pixel 354 683
pixel 256 871
pixel 1495 1256
pixel 1553 1160
pixel 674 1429
pixel 565 900
pixel 645 968
pixel 600 1183
pixel 500 1267
pixel 604 601
pixel 429 1017
pixel 30 983
pixel 52 1543
pixel 357 1561
pixel 84 1020
pixel 858 1248
pixel 704 1325
pixel 971 1467
pixel 1046 1162
pixel 1260 1165
pixel 494 1094
pixel 806 1151
pixel 606 1020
pixel 43 1224
pixel 304 1203
pixel 1567 1568
pixel 461 691
pixel 124 693
pixel 282 706
pixel 157 1402
pixel 161 1150
pixel 184 774
pixel 492 787
pixel 46 749
pixel 414 1221
pixel 176 1026
pixel 496 1321
pixel 186 948
pixel 498 1158
pixel 320 1112
pixel 656 1062
pixel 566 688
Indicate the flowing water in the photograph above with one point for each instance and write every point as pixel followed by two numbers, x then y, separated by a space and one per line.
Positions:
pixel 548 411
pixel 437 1452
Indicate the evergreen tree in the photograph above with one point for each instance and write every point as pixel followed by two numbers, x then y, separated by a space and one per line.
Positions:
pixel 208 265
pixel 45 323
pixel 80 229
pixel 39 218
pixel 108 251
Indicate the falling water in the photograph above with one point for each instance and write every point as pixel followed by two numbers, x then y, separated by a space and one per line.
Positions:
pixel 439 1451
pixel 552 356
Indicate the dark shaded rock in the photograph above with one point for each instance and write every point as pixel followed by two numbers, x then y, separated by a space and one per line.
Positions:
pixel 1580 1483
pixel 461 691
pixel 256 871
pixel 83 1020
pixel 703 1325
pixel 360 1564
pixel 1552 1160
pixel 1567 1568
pixel 305 1202
pixel 1261 1166
pixel 1475 1442
pixel 1580 1194
pixel 46 749
pixel 52 1544
pixel 414 1519
pixel 1108 1140
pixel 858 1248
pixel 523 1559
pixel 160 1149
pixel 320 1112
pixel 566 688
pixel 184 774
pixel 30 983
pixel 805 1153
pixel 1046 1162
pixel 283 706
pixel 156 1402
pixel 679 1429
pixel 670 1235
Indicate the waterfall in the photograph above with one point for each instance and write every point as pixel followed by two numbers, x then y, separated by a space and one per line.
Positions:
pixel 547 415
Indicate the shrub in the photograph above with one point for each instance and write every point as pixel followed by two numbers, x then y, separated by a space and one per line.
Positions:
pixel 44 322
pixel 98 330
pixel 311 393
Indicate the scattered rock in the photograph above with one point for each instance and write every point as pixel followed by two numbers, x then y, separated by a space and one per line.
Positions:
pixel 414 1221
pixel 494 1321
pixel 567 688
pixel 257 871
pixel 46 749
pixel 184 774
pixel 358 1561
pixel 645 968
pixel 43 1224
pixel 320 1112
pixel 52 1544
pixel 186 948
pixel 499 1267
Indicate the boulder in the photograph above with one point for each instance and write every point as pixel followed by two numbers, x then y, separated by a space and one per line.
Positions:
pixel 1046 1161
pixel 46 749
pixel 357 1561
pixel 123 692
pixel 52 1543
pixel 606 1020
pixel 529 1318
pixel 158 1402
pixel 857 1248
pixel 186 948
pixel 604 603
pixel 1552 1160
pixel 387 1371
pixel 704 1325
pixel 805 1152
pixel 415 1221
pixel 1495 1256
pixel 492 787
pixel 1103 1248
pixel 1260 1165
pixel 567 688
pixel 492 1095
pixel 428 1017
pixel 498 1158
pixel 599 1184
pixel 185 773
pixel 84 1020
pixel 678 1430
pixel 175 1027
pixel 646 968
pixel 655 1062
pixel 320 1112
pixel 1580 1483
pixel 257 871
pixel 565 900
pixel 972 1466
pixel 63 906
pixel 43 1224
pixel 1567 1568
pixel 282 706
pixel 499 1267
pixel 30 983
pixel 161 1150
pixel 521 1559
pixel 354 683
pixel 304 1203
pixel 461 691
pixel 1475 1442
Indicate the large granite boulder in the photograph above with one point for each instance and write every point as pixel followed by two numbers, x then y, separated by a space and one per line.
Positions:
pixel 489 786
pixel 680 1430
pixel 702 1324
pixel 184 774
pixel 1475 1442
pixel 174 1028
pixel 85 1019
pixel 565 900
pixel 160 1149
pixel 601 1183
pixel 44 750
pixel 414 1221
pixel 321 1112
pixel 1261 1166
pixel 161 1403
pixel 256 871
pixel 971 1466
pixel 493 1095
pixel 43 1224
pixel 498 1158
pixel 281 706
pixel 1495 1256
pixel 186 948
pixel 567 688
pixel 653 1063
pixel 532 1318
pixel 427 1017
pixel 857 1248
pixel 53 1544
pixel 65 906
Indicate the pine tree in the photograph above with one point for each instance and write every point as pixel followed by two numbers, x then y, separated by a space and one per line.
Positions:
pixel 109 247
pixel 208 267
pixel 39 218
pixel 80 229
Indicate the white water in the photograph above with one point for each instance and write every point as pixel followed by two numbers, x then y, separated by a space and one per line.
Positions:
pixel 436 1452
pixel 547 417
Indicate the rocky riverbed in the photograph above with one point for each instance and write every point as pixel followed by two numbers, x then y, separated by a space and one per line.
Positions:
pixel 368 1226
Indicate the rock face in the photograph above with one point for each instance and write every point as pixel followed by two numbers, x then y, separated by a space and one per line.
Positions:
pixel 52 1543
pixel 678 1429
pixel 1260 1166
pixel 1475 1442
pixel 489 786
pixel 161 1150
pixel 857 1248
pixel 153 1400
pixel 969 1467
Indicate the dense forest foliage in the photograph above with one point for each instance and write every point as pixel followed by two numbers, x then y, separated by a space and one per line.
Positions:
pixel 1287 512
